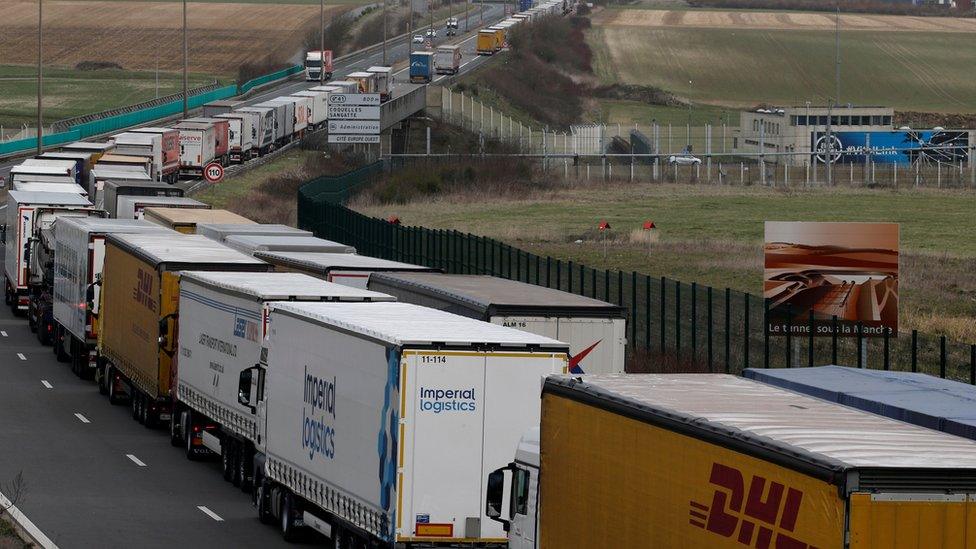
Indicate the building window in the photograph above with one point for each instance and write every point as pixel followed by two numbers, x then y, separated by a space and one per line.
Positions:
pixel 822 120
pixel 793 120
pixel 735 142
pixel 755 126
pixel 845 120
pixel 887 120
pixel 834 120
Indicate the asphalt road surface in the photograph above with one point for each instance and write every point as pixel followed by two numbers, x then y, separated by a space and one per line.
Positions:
pixel 96 478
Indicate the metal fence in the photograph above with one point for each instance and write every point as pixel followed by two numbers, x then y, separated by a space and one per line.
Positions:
pixel 672 326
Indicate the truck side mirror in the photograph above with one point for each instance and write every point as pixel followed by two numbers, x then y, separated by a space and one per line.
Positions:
pixel 248 387
pixel 495 496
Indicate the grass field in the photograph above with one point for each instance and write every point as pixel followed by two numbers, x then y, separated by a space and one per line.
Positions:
pixel 713 235
pixel 69 92
pixel 740 59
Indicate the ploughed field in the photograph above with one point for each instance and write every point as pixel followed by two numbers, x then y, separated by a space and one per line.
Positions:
pixel 135 35
pixel 741 58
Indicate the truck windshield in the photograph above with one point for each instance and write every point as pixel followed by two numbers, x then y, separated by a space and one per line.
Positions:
pixel 312 63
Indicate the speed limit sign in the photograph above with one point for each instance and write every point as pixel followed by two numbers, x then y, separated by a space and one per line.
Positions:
pixel 213 172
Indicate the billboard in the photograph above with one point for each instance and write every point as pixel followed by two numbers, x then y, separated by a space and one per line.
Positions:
pixel 837 269
pixel 892 147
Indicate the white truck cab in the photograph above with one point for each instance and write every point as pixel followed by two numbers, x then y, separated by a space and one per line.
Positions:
pixel 518 512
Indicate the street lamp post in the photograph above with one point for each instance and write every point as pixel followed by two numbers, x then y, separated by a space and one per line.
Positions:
pixel 185 61
pixel 40 127
pixel 322 42
pixel 384 32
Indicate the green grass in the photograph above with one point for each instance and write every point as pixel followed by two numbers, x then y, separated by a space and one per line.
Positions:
pixel 69 92
pixel 238 186
pixel 906 70
pixel 713 235
pixel 614 111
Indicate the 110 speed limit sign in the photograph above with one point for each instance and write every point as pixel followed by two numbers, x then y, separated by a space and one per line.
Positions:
pixel 213 172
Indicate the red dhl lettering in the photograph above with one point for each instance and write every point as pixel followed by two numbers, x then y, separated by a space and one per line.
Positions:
pixel 758 518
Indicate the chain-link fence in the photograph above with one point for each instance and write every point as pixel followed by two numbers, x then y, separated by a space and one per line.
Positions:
pixel 672 326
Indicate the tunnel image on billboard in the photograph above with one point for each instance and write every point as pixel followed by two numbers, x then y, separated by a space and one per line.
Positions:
pixel 843 270
pixel 892 147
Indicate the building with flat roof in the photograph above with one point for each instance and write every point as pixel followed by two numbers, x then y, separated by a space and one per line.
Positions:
pixel 788 135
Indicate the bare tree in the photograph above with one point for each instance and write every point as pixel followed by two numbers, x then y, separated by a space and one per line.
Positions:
pixel 15 492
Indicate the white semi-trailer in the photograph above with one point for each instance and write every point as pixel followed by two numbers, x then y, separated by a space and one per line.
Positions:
pixel 29 214
pixel 349 269
pixel 595 330
pixel 250 244
pixel 220 231
pixel 223 323
pixel 79 253
pixel 131 207
pixel 380 421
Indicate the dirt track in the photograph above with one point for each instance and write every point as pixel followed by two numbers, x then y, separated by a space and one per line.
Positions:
pixel 780 21
pixel 133 34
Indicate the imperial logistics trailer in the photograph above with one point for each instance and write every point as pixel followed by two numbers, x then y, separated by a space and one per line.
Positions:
pixel 595 330
pixel 349 269
pixel 137 329
pixel 224 320
pixel 699 460
pixel 28 214
pixel 381 420
pixel 79 254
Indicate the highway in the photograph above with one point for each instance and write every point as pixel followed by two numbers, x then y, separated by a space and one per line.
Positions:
pixel 396 52
pixel 96 478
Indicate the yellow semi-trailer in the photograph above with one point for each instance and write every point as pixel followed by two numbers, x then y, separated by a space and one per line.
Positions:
pixel 140 309
pixel 185 220
pixel 720 461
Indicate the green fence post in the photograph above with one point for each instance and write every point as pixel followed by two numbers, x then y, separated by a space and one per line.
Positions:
pixel 606 284
pixel 569 272
pixel 620 288
pixel 745 325
pixel 647 312
pixel 663 324
pixel 694 322
pixel 677 323
pixel 633 305
pixel 709 340
pixel 728 330
pixel 559 274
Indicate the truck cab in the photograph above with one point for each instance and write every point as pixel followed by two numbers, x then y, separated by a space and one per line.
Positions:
pixel 314 65
pixel 512 497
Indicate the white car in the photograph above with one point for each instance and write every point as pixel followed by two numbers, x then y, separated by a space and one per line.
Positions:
pixel 418 39
pixel 431 33
pixel 684 160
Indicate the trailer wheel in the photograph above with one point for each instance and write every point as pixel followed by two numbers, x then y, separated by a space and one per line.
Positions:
pixel 288 528
pixel 113 393
pixel 174 428
pixel 226 467
pixel 136 401
pixel 187 423
pixel 6 294
pixel 30 322
pixel 150 417
pixel 244 468
pixel 59 336
pixel 261 500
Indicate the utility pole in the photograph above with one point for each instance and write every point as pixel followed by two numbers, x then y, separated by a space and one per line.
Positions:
pixel 830 145
pixel 40 126
pixel 409 27
pixel 322 41
pixel 384 31
pixel 430 21
pixel 837 55
pixel 185 60
pixel 467 5
pixel 481 10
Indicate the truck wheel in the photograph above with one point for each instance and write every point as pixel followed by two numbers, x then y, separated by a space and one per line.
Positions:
pixel 226 467
pixel 174 428
pixel 111 389
pixel 261 500
pixel 244 467
pixel 100 377
pixel 150 417
pixel 187 422
pixel 288 528
pixel 237 462
pixel 134 402
pixel 30 318
pixel 59 337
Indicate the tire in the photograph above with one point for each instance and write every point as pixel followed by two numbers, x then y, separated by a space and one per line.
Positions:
pixel 174 428
pixel 226 462
pixel 244 467
pixel 100 378
pixel 287 524
pixel 150 418
pixel 186 420
pixel 59 337
pixel 113 395
pixel 261 502
pixel 30 321
pixel 237 462
pixel 137 406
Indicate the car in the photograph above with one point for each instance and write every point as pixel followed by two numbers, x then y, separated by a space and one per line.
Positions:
pixel 431 33
pixel 418 39
pixel 684 160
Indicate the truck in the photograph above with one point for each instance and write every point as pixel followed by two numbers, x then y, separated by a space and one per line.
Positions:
pixel 349 269
pixel 302 107
pixel 143 144
pixel 170 141
pixel 525 5
pixel 115 189
pixel 231 308
pixel 100 174
pixel 379 421
pixel 79 254
pixel 221 136
pixel 48 168
pixel 736 463
pixel 447 59
pixel 595 330
pixel 132 207
pixel 198 147
pixel 314 64
pixel 365 81
pixel 139 312
pixel 383 79
pixel 318 106
pixel 49 187
pixel 226 106
pixel 221 230
pixel 240 135
pixel 138 162
pixel 95 149
pixel 284 120
pixel 28 243
pixel 250 244
pixel 452 26
pixel 487 43
pixel 343 86
pixel 421 67
pixel 185 220
pixel 83 162
pixel 916 398
pixel 263 129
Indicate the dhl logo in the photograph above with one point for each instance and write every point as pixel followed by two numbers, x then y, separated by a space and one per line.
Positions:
pixel 758 518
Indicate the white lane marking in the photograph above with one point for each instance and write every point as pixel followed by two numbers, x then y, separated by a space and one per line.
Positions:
pixel 82 418
pixel 25 523
pixel 21 355
pixel 135 460
pixel 210 513
pixel 3 333
pixel 47 384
